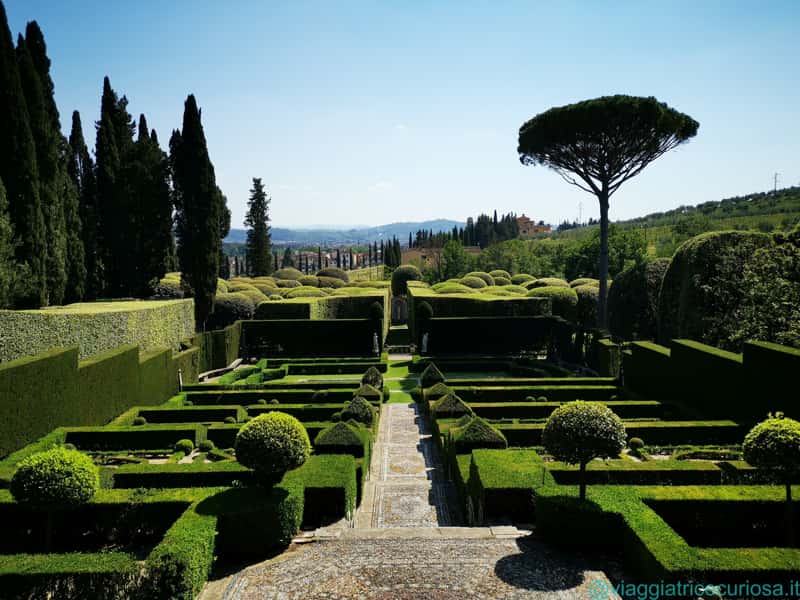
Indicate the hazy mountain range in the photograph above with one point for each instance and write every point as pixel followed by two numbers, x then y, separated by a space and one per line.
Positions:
pixel 342 236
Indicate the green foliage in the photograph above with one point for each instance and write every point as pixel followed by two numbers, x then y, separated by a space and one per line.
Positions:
pixel 547 282
pixel 431 375
pixel 448 287
pixel 487 279
pixel 588 296
pixel 449 406
pixel 584 281
pixel 258 248
pixel 373 377
pixel 184 445
pixel 473 282
pixel 424 312
pixel 343 438
pixel 633 300
pixel 306 292
pixel 774 444
pixel 635 444
pixel 401 276
pixel 502 281
pixel 521 278
pixel 272 443
pixel 703 286
pixel 199 210
pixel 229 308
pixel 500 273
pixel 476 433
pixel 288 273
pixel 309 280
pixel 206 446
pixel 95 327
pixel 455 260
pixel 139 421
pixel 335 273
pixel 626 247
pixel 56 477
pixel 579 431
pixel 359 409
pixel 564 300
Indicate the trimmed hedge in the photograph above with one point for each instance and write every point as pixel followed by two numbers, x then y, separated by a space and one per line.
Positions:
pixel 564 300
pixel 192 414
pixel 344 438
pixel 95 327
pixel 339 337
pixel 494 335
pixel 244 397
pixel 633 300
pixel 553 393
pixel 501 485
pixel 143 437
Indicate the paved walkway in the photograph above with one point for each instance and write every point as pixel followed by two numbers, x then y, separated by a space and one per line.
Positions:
pixel 408 485
pixel 421 569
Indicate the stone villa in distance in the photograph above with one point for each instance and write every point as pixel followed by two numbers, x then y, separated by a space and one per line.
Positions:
pixel 528 228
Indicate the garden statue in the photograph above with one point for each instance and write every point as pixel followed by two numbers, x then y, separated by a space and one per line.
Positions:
pixel 375 347
pixel 424 342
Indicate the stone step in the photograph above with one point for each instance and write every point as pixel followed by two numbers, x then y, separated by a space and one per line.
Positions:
pixel 405 533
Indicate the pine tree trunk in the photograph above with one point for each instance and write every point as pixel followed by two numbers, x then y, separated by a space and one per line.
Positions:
pixel 602 303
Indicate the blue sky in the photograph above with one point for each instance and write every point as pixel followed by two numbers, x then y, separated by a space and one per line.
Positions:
pixel 374 112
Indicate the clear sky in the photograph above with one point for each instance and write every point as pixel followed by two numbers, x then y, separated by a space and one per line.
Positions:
pixel 382 111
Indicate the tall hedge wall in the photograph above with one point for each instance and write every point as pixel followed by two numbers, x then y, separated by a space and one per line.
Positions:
pixel 95 327
pixel 494 335
pixel 299 338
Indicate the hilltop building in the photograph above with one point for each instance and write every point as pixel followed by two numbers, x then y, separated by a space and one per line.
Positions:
pixel 529 228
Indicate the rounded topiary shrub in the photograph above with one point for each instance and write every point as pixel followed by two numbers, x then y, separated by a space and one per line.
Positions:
pixel 334 272
pixel 475 283
pixel 359 409
pixel 287 273
pixel 633 300
pixel 168 289
pixel 373 377
pixel 502 281
pixel 546 282
pixel 185 445
pixel 55 477
pixel 449 287
pixel 584 281
pixel 521 278
pixel 274 401
pixel 401 276
pixel 703 287
pixel 205 446
pixel 231 307
pixel 309 281
pixel 774 444
pixel 375 311
pixel 288 283
pixel 272 443
pixel 564 300
pixel 330 282
pixel 306 292
pixel 500 273
pixel 230 420
pixel 487 279
pixel 424 312
pixel 588 298
pixel 577 432
pixel 636 444
pixel 139 421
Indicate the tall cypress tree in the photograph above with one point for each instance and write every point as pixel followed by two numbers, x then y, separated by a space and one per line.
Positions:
pixel 259 244
pixel 198 205
pixel 224 230
pixel 80 167
pixel 118 224
pixel 66 270
pixel 20 174
pixel 8 265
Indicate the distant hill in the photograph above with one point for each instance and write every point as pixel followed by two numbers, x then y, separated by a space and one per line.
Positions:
pixel 337 237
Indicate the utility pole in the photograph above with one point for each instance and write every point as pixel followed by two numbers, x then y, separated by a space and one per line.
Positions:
pixel 580 213
pixel 775 182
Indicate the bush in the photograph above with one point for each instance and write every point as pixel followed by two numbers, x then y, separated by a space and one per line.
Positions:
pixel 547 282
pixel 230 420
pixel 55 477
pixel 477 433
pixel 431 375
pixel 289 283
pixel 229 308
pixel 502 281
pixel 579 431
pixel 775 444
pixel 584 281
pixel 359 409
pixel 287 273
pixel 330 282
pixel 342 438
pixel 309 281
pixel 588 297
pixel 521 278
pixel 375 311
pixel 703 287
pixel 450 406
pixel 473 282
pixel 168 289
pixel 635 444
pixel 272 443
pixel 401 276
pixel 424 312
pixel 436 391
pixel 274 401
pixel 373 377
pixel 306 292
pixel 500 273
pixel 542 399
pixel 633 300
pixel 488 279
pixel 206 446
pixel 452 288
pixel 139 421
pixel 564 299
pixel 334 272
pixel 185 446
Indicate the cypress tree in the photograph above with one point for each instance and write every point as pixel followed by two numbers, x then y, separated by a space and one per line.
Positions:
pixel 20 174
pixel 224 230
pixel 8 265
pixel 80 167
pixel 198 204
pixel 338 259
pixel 45 130
pixel 258 247
pixel 319 258
pixel 288 260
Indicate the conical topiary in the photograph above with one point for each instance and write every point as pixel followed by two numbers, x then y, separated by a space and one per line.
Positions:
pixel 342 438
pixel 431 375
pixel 360 410
pixel 477 434
pixel 436 391
pixel 373 377
pixel 450 405
pixel 369 392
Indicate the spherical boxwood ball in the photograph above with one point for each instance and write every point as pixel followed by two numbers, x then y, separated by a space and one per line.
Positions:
pixel 774 444
pixel 579 431
pixel 56 477
pixel 272 443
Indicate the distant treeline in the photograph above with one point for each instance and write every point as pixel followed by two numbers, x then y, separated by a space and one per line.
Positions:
pixel 483 232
